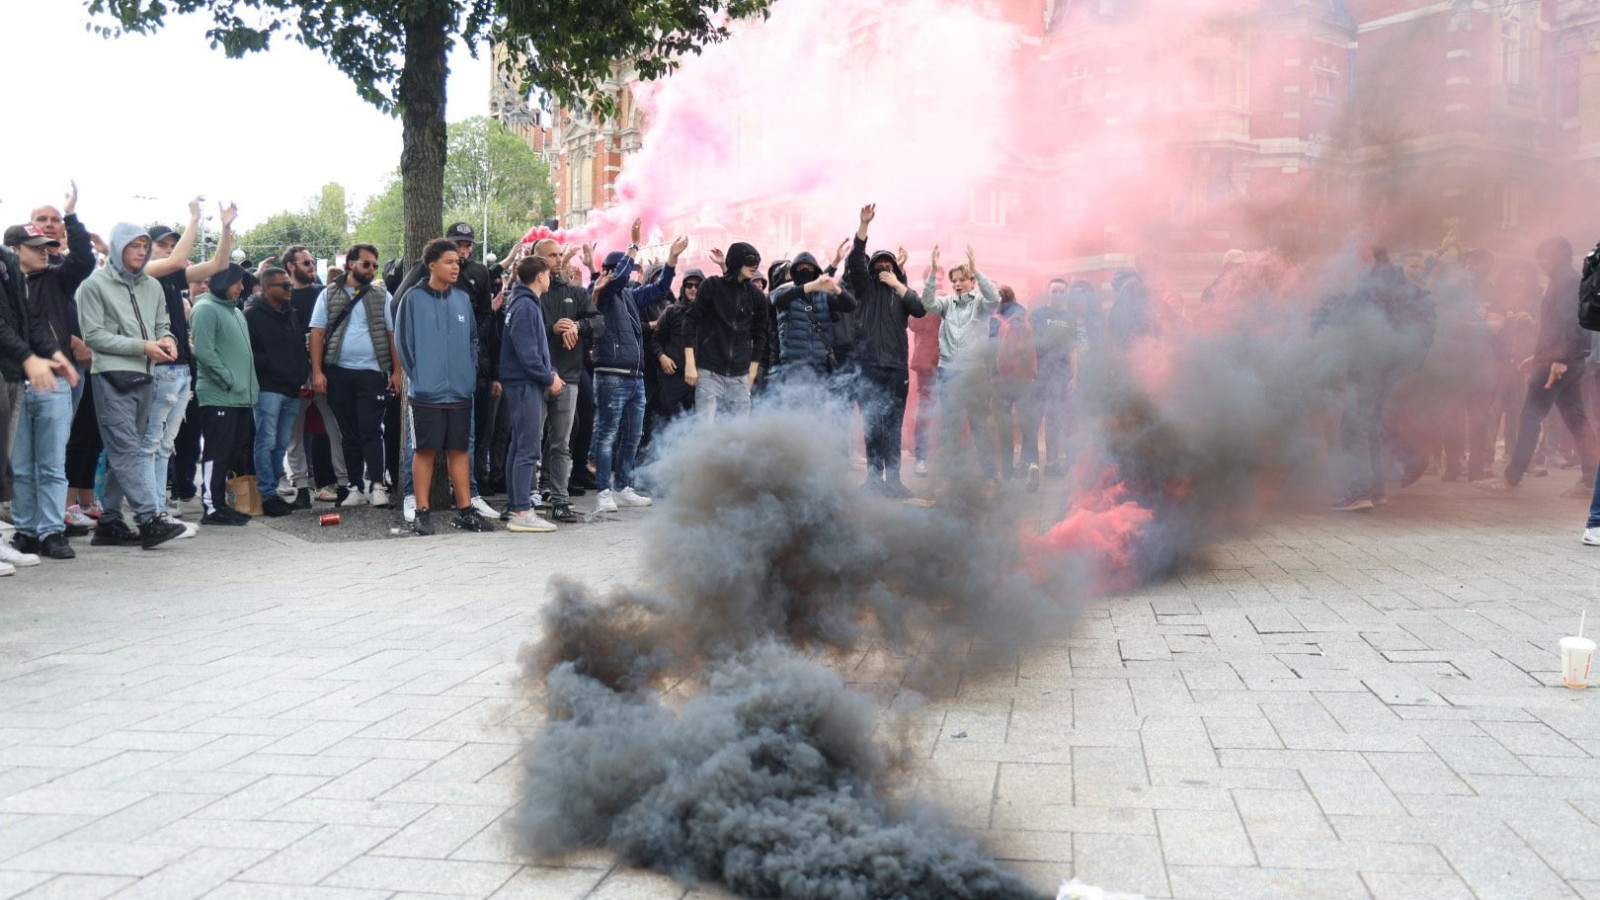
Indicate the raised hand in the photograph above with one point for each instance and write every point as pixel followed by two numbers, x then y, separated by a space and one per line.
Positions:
pixel 935 261
pixel 228 213
pixel 838 254
pixel 194 208
pixel 638 229
pixel 678 246
pixel 972 261
pixel 868 213
pixel 71 204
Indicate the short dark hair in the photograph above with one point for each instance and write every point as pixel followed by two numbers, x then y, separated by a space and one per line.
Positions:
pixel 273 270
pixel 437 248
pixel 529 268
pixel 293 250
pixel 356 250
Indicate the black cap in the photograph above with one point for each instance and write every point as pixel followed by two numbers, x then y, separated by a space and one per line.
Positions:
pixel 18 235
pixel 460 231
pixel 158 232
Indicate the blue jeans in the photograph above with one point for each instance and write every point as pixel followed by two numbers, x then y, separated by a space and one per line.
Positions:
pixel 275 415
pixel 168 404
pixel 409 450
pixel 618 422
pixel 39 459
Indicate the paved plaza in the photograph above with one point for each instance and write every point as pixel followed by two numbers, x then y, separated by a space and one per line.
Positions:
pixel 1359 706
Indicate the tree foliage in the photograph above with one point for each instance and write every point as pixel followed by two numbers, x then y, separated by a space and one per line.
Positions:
pixel 488 165
pixel 320 225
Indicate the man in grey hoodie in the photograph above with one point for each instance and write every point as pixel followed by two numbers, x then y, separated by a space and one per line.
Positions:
pixel 964 390
pixel 123 313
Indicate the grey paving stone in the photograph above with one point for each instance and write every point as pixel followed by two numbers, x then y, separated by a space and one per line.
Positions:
pixel 1128 863
pixel 1198 838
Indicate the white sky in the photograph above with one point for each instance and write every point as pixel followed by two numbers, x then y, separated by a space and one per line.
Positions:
pixel 139 121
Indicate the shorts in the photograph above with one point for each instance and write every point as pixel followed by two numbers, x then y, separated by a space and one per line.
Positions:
pixel 440 429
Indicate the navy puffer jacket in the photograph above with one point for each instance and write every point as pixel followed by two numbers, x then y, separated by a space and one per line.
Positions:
pixel 805 338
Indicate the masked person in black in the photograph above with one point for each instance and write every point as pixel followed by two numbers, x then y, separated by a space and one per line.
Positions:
pixel 674 396
pixel 881 351
pixel 804 312
pixel 728 329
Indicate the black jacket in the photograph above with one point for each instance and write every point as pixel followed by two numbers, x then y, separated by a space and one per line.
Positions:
pixel 52 290
pixel 22 334
pixel 570 301
pixel 805 321
pixel 728 324
pixel 279 347
pixel 1561 338
pixel 880 318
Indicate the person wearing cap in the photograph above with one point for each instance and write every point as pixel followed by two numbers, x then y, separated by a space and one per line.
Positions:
pixel 123 312
pixel 727 325
pixel 41 408
pixel 619 371
pixel 172 404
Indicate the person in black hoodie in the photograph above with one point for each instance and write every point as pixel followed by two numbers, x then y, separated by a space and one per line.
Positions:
pixel 1555 370
pixel 728 328
pixel 675 396
pixel 282 366
pixel 39 455
pixel 804 311
pixel 880 352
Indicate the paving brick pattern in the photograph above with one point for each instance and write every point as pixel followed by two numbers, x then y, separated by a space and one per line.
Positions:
pixel 1359 707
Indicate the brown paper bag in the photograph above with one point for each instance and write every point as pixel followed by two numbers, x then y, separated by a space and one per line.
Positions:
pixel 246 495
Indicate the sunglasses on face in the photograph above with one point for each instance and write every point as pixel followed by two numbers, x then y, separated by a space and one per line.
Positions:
pixel 277 284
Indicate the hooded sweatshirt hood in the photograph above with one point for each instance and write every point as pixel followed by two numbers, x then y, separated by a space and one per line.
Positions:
pixel 740 255
pixel 804 260
pixel 695 274
pixel 123 234
pixel 894 263
pixel 612 259
pixel 223 281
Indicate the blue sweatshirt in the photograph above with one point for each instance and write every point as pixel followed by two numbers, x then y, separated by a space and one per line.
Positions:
pixel 620 350
pixel 524 350
pixel 437 336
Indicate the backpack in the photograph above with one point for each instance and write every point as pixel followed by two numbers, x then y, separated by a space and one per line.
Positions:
pixel 1589 291
pixel 1015 356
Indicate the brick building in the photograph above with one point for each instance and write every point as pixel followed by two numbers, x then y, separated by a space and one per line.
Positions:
pixel 1299 127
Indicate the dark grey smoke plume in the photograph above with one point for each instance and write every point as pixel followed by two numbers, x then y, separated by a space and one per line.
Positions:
pixel 767 779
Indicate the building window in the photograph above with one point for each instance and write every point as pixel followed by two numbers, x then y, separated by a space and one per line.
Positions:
pixel 1324 80
pixel 990 205
pixel 1514 46
pixel 1510 206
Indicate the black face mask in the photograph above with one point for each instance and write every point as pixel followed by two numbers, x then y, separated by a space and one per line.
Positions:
pixel 803 277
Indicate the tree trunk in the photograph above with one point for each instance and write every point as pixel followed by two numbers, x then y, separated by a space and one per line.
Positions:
pixel 424 142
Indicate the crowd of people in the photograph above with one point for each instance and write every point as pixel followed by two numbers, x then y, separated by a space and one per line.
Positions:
pixel 138 382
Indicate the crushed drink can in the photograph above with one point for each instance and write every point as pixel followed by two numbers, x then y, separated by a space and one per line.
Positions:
pixel 329 519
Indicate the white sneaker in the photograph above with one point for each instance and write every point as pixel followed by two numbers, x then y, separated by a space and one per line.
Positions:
pixel 528 521
pixel 76 517
pixel 7 569
pixel 353 499
pixel 380 496
pixel 190 529
pixel 605 503
pixel 12 556
pixel 920 469
pixel 1591 537
pixel 408 509
pixel 484 509
pixel 629 497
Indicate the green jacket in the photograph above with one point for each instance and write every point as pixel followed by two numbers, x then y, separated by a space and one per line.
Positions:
pixel 110 328
pixel 225 365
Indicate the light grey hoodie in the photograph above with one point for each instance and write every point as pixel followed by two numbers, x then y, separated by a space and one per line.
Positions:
pixel 106 304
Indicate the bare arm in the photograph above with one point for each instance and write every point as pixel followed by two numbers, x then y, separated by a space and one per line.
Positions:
pixel 180 253
pixel 218 260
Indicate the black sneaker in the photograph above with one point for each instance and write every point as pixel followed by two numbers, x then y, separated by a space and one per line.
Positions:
pixel 276 507
pixel 302 499
pixel 158 531
pixel 55 546
pixel 225 516
pixel 77 531
pixel 423 524
pixel 561 511
pixel 575 490
pixel 467 519
pixel 114 533
pixel 897 489
pixel 25 543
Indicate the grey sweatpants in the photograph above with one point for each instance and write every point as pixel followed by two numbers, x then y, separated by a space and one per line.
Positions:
pixel 300 471
pixel 123 418
pixel 560 411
